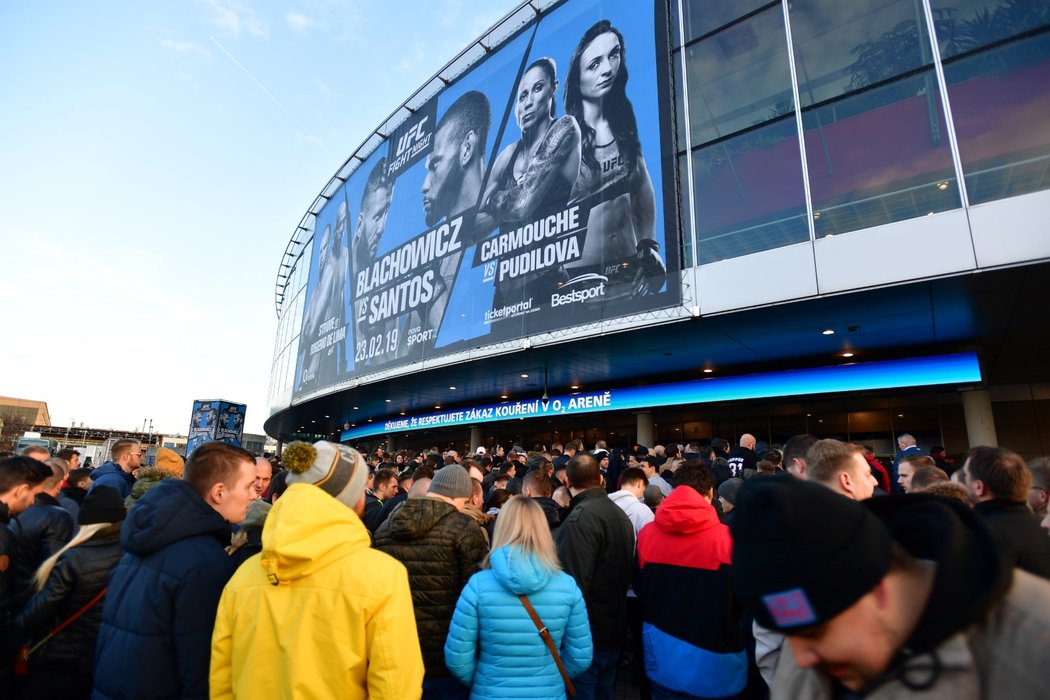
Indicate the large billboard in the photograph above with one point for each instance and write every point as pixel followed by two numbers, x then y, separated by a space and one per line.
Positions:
pixel 215 420
pixel 533 194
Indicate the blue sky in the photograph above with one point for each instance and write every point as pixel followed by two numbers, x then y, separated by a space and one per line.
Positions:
pixel 154 159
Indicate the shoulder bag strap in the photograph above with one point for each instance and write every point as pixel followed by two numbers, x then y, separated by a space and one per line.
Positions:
pixel 67 622
pixel 542 629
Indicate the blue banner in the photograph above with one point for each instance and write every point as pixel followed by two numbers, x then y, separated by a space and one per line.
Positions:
pixel 535 193
pixel 962 368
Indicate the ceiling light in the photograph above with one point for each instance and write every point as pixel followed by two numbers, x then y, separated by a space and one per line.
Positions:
pixel 847 354
pixel 828 332
pixel 575 386
pixel 438 406
pixel 503 396
pixel 388 400
pixel 327 416
pixel 402 413
pixel 524 376
pixel 942 185
pixel 452 388
pixel 355 408
pixel 708 370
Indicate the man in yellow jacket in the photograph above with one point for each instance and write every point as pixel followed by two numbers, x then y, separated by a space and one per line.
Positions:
pixel 318 613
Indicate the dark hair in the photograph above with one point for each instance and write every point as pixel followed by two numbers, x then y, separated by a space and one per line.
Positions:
pixel 632 475
pixel 773 456
pixel 617 108
pixel 378 179
pixel 547 65
pixel 78 475
pixel 422 472
pixel 652 460
pixel 383 476
pixel 797 447
pixel 278 485
pixel 18 470
pixel 583 472
pixel 1002 471
pixel 497 498
pixel 471 112
pixel 695 475
pixel 214 463
pixel 67 453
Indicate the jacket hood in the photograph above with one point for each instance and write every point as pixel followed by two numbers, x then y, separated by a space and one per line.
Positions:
pixel 418 516
pixel 685 512
pixel 147 478
pixel 518 571
pixel 170 512
pixel 257 513
pixel 109 468
pixel 972 573
pixel 305 531
pixel 622 496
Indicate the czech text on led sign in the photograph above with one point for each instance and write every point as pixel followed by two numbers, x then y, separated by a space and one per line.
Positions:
pixel 962 368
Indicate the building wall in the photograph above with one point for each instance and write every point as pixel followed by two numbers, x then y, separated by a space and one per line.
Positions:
pixel 824 147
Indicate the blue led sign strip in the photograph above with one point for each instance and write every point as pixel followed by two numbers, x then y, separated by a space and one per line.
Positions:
pixel 961 368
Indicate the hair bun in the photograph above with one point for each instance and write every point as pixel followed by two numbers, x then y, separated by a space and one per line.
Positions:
pixel 299 456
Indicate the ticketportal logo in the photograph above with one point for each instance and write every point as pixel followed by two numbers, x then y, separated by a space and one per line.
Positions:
pixel 581 295
pixel 510 311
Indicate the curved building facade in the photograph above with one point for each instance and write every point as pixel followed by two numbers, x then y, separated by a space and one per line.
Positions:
pixel 664 222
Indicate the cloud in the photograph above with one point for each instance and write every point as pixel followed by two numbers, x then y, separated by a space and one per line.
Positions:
pixel 233 16
pixel 299 22
pixel 188 49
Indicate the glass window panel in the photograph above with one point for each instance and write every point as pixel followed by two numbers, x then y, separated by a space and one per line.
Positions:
pixel 705 16
pixel 966 25
pixel 683 203
pixel 846 46
pixel 879 156
pixel 1001 108
pixel 749 193
pixel 739 77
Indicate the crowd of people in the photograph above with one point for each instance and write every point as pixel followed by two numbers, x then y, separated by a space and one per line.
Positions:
pixel 802 570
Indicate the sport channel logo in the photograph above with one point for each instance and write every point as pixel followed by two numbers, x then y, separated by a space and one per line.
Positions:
pixel 593 292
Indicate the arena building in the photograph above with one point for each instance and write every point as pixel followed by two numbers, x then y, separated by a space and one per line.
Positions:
pixel 667 222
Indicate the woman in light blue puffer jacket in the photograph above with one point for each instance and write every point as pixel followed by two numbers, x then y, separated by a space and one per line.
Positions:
pixel 493 646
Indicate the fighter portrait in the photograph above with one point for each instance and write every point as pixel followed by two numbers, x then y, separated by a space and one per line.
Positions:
pixel 534 175
pixel 526 195
pixel 324 321
pixel 621 244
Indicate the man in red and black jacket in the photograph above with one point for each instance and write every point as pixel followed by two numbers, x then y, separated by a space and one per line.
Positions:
pixel 694 644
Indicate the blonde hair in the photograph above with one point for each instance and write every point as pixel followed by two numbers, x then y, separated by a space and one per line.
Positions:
pixel 522 524
pixel 85 533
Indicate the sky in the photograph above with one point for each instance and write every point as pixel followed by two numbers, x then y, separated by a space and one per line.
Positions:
pixel 154 161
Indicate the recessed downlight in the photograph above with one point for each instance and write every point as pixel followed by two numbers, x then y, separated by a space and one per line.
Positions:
pixel 847 354
pixel 828 332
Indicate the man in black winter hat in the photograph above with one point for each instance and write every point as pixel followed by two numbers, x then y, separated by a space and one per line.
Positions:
pixel 899 597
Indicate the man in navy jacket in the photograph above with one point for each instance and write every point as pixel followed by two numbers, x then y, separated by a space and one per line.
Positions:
pixel 160 608
pixel 125 457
